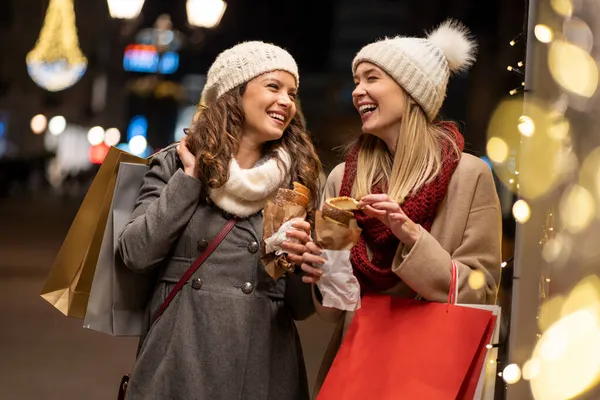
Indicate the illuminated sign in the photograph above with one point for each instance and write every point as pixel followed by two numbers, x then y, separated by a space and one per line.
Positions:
pixel 145 58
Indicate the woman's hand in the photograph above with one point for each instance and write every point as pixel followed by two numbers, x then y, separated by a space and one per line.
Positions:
pixel 300 236
pixel 299 251
pixel 312 261
pixel 390 213
pixel 187 158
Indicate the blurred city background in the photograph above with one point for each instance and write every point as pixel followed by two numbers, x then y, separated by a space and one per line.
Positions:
pixel 129 73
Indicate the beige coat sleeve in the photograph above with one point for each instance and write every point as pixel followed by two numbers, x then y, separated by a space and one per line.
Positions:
pixel 427 267
pixel 334 182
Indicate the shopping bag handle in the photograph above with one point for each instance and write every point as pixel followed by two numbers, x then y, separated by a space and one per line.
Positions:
pixel 174 144
pixel 453 290
pixel 190 271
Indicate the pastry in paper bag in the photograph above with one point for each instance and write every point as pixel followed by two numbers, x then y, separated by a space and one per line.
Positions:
pixel 336 232
pixel 278 217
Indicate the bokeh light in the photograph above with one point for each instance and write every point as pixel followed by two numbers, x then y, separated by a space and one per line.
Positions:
pixel 557 249
pixel 497 150
pixel 550 312
pixel 589 176
pixel 57 125
pixel 531 369
pixel 526 126
pixel 511 374
pixel 138 145
pixel 521 211
pixel 535 135
pixel 112 136
pixel 476 280
pixel 569 355
pixel 543 33
pixel 95 135
pixel 562 7
pixel 577 209
pixel 577 32
pixel 38 124
pixel 573 68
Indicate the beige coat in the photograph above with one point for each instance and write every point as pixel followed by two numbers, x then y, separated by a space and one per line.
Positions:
pixel 467 229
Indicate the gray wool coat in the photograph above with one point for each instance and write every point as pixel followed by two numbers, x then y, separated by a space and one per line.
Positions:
pixel 229 333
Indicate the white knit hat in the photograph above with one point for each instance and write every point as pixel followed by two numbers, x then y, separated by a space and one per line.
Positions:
pixel 422 66
pixel 242 63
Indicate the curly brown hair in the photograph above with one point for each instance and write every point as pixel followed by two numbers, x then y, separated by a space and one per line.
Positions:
pixel 214 137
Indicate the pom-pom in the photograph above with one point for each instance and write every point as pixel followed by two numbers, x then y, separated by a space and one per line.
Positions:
pixel 455 40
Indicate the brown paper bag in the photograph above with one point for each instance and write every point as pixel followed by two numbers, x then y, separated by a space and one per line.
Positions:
pixel 333 236
pixel 338 286
pixel 276 214
pixel 69 283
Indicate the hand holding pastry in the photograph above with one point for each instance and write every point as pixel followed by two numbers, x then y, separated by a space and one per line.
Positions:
pixel 284 239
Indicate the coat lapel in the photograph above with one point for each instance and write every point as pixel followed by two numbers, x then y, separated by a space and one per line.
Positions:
pixel 253 225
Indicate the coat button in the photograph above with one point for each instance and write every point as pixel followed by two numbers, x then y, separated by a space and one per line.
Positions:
pixel 202 245
pixel 253 247
pixel 197 283
pixel 247 288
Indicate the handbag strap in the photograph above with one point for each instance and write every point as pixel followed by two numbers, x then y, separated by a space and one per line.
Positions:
pixel 194 267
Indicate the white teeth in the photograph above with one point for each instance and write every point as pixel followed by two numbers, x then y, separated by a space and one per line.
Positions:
pixel 277 116
pixel 365 108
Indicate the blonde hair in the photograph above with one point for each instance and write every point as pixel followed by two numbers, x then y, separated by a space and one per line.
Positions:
pixel 417 159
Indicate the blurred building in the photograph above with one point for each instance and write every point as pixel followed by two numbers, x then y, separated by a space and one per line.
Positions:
pixel 121 85
pixel 322 35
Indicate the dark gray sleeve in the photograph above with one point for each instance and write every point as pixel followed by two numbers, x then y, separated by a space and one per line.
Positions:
pixel 166 202
pixel 298 296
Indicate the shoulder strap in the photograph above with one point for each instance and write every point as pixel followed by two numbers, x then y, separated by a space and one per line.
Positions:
pixel 169 147
pixel 190 271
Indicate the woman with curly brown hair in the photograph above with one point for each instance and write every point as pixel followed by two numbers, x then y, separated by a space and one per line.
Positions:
pixel 229 332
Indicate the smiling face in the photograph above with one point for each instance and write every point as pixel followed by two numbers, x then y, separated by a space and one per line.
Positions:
pixel 269 105
pixel 379 100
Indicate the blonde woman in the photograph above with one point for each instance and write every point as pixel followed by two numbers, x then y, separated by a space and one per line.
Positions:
pixel 423 202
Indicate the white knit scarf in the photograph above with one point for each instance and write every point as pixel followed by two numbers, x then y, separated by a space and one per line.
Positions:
pixel 247 190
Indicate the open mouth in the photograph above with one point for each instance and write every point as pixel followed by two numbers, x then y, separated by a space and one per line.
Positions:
pixel 367 109
pixel 279 118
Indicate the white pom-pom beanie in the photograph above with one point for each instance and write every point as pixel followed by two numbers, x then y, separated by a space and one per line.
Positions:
pixel 242 63
pixel 422 66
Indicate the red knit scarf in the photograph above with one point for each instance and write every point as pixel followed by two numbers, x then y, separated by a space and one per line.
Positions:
pixel 421 207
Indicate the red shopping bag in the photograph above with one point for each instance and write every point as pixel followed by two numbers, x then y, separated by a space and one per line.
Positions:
pixel 469 386
pixel 398 348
